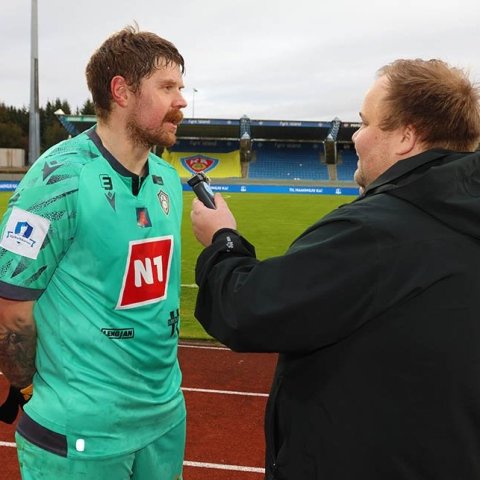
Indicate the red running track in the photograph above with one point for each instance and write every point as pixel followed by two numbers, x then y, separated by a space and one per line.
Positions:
pixel 226 394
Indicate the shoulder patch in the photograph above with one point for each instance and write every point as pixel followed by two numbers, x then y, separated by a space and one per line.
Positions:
pixel 24 233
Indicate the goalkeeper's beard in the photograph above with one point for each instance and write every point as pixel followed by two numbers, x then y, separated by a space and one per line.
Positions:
pixel 162 136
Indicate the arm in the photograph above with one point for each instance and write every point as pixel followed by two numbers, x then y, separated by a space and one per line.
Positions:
pixel 18 339
pixel 320 291
pixel 51 208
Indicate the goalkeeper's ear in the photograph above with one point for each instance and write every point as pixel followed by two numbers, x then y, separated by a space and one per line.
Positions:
pixel 16 398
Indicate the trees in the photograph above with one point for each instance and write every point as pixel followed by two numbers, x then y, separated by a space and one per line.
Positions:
pixel 11 136
pixel 51 131
pixel 88 108
pixel 14 124
pixel 13 127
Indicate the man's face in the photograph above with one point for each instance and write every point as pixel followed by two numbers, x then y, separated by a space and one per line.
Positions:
pixel 156 108
pixel 376 148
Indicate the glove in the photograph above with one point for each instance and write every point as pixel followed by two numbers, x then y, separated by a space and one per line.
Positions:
pixel 16 398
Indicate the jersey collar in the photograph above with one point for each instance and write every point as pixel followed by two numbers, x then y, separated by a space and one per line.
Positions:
pixel 115 164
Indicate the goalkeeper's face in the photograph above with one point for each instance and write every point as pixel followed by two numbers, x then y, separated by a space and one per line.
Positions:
pixel 155 109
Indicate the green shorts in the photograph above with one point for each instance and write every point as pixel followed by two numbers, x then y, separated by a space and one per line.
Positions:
pixel 160 460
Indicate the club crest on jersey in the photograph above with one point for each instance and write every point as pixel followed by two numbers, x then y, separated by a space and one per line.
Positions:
pixel 147 271
pixel 143 218
pixel 199 163
pixel 164 200
pixel 24 233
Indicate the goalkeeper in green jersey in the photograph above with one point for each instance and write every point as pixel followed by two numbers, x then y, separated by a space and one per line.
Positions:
pixel 90 281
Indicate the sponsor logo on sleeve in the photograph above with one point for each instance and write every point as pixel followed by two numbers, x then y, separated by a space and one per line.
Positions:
pixel 147 271
pixel 24 233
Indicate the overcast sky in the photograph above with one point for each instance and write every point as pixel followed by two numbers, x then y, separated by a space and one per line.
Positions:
pixel 268 59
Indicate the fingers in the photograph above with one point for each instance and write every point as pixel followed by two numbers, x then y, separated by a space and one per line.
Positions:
pixel 198 205
pixel 206 221
pixel 218 196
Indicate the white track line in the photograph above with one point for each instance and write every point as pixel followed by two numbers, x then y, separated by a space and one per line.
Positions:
pixel 216 466
pixel 220 466
pixel 225 392
pixel 202 347
pixel 8 444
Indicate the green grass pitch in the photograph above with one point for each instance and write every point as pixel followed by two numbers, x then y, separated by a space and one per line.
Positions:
pixel 269 221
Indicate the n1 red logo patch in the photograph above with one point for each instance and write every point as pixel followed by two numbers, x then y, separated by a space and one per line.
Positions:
pixel 147 271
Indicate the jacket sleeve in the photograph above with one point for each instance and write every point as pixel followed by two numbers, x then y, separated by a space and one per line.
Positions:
pixel 319 292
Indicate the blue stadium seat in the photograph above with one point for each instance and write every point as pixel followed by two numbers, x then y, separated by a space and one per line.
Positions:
pixel 292 161
pixel 287 161
pixel 346 168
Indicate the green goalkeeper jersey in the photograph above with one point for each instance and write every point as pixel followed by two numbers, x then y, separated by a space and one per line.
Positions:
pixel 98 248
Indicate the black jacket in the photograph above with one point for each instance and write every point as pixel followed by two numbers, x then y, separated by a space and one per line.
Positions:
pixel 375 311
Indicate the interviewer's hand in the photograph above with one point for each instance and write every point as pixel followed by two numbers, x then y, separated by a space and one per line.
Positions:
pixel 207 221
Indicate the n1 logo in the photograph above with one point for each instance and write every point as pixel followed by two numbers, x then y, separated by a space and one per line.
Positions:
pixel 147 271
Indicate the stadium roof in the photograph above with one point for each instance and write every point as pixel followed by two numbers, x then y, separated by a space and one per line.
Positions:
pixel 230 129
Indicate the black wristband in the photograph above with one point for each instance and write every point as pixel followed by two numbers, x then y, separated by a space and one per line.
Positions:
pixel 224 230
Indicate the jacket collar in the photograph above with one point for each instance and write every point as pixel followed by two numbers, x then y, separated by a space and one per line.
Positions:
pixel 387 180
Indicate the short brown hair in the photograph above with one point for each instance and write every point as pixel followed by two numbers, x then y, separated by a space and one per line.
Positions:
pixel 439 101
pixel 134 55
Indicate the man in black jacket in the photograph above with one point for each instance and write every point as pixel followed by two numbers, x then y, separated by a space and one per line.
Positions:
pixel 375 309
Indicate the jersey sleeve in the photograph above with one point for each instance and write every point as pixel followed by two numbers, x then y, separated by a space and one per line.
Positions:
pixel 38 226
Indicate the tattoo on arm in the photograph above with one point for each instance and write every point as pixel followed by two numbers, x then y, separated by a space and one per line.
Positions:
pixel 17 351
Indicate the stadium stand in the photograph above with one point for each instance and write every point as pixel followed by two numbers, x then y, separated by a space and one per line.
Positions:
pixel 347 165
pixel 287 161
pixel 204 146
pixel 269 150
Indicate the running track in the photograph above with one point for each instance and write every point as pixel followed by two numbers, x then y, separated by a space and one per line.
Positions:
pixel 226 394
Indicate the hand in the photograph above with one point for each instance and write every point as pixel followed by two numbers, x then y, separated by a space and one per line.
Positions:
pixel 207 221
pixel 16 398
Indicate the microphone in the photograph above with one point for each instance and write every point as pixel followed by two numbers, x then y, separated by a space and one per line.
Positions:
pixel 201 186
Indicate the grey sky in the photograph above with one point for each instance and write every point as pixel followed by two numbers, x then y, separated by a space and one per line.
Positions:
pixel 268 59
